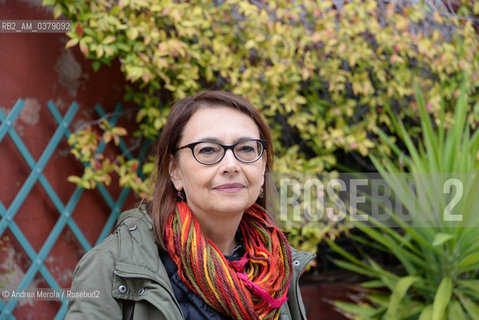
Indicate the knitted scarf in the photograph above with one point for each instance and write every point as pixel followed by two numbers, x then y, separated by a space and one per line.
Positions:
pixel 253 287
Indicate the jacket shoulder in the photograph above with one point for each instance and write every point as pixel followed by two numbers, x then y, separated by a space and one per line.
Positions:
pixel 93 276
pixel 117 268
pixel 136 214
pixel 138 250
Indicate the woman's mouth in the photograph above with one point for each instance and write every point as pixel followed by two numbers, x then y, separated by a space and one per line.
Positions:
pixel 229 187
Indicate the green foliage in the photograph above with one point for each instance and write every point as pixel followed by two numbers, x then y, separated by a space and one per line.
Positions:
pixel 84 144
pixel 439 263
pixel 321 75
pixel 98 169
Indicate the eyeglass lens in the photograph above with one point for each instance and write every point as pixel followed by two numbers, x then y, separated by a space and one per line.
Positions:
pixel 210 152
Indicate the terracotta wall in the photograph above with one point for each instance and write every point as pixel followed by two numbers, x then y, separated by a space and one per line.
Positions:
pixel 37 68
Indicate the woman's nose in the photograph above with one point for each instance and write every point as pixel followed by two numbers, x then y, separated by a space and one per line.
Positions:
pixel 229 162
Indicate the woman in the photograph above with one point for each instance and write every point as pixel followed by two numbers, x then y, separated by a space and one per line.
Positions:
pixel 204 248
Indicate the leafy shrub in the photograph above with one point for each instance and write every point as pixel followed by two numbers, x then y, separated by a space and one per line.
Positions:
pixel 322 75
pixel 439 260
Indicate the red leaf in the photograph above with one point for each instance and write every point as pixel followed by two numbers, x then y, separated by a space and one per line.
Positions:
pixel 134 167
pixel 79 29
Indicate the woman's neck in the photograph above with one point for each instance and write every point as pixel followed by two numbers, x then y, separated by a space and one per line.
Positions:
pixel 221 230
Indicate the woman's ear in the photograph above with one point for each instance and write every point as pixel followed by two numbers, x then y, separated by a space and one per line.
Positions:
pixel 175 174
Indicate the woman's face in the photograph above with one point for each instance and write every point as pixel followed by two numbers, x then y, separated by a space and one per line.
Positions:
pixel 229 186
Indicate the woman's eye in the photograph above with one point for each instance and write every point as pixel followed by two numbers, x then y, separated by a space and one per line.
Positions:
pixel 247 149
pixel 207 150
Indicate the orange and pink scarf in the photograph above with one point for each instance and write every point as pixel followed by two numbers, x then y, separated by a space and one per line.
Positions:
pixel 253 287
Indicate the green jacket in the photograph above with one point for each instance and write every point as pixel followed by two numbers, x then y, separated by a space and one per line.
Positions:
pixel 126 266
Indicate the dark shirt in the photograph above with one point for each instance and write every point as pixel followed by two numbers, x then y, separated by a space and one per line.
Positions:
pixel 192 306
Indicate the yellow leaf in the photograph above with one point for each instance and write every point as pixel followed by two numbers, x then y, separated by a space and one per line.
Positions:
pixel 99 51
pixel 109 39
pixel 116 140
pixel 74 179
pixel 300 100
pixel 132 33
pixel 71 43
pixel 83 48
pixel 120 131
pixel 250 44
pixel 107 137
pixel 57 11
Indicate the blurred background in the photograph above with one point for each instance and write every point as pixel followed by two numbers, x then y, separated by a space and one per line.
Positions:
pixel 346 86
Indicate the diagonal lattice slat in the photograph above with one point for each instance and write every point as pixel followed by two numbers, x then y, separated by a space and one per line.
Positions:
pixel 65 211
pixel 8 215
pixel 44 182
pixel 12 225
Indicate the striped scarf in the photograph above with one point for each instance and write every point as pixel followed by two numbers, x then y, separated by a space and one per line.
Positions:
pixel 255 286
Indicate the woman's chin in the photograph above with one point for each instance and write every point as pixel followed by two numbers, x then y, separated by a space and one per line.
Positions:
pixel 232 206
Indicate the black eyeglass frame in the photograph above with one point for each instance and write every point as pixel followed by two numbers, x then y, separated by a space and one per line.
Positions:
pixel 231 147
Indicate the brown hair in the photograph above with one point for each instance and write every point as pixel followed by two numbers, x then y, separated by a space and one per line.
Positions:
pixel 164 193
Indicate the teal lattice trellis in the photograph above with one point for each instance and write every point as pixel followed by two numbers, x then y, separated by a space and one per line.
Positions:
pixel 65 211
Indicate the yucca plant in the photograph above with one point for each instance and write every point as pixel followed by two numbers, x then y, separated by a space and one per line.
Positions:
pixel 438 248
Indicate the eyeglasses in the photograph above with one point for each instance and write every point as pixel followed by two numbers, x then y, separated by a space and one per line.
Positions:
pixel 209 152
